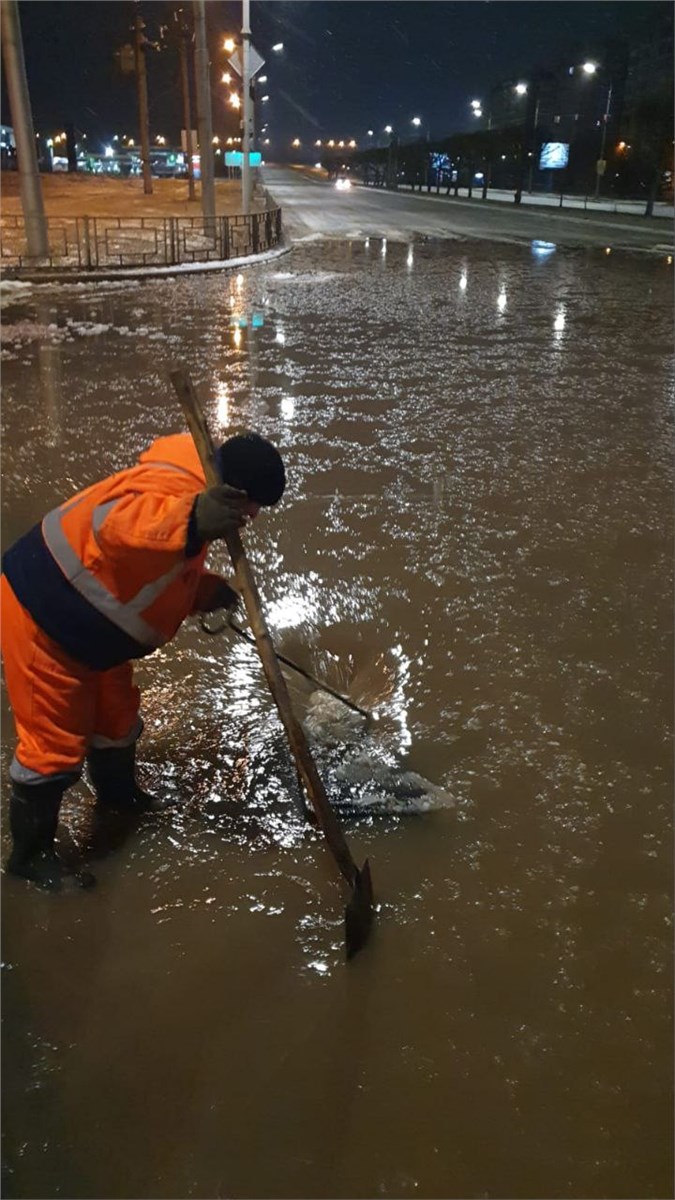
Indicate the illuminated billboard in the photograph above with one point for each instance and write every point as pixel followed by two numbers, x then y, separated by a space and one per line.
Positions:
pixel 554 156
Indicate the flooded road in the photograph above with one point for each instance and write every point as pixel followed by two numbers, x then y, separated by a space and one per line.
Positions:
pixel 476 546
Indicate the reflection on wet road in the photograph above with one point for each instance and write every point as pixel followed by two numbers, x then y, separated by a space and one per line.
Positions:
pixel 476 546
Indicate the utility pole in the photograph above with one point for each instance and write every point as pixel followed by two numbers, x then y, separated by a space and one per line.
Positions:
pixel 142 84
pixel 204 125
pixel 17 86
pixel 600 165
pixel 247 105
pixel 183 35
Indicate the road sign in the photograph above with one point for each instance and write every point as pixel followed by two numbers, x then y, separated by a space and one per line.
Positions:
pixel 235 158
pixel 126 57
pixel 256 61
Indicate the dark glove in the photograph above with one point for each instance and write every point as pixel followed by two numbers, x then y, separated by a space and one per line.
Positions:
pixel 220 595
pixel 219 510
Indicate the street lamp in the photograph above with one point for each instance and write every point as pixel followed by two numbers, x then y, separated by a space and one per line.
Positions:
pixel 388 129
pixel 278 47
pixel 520 89
pixel 229 45
pixel 295 142
pixel 416 121
pixel 371 132
pixel 591 68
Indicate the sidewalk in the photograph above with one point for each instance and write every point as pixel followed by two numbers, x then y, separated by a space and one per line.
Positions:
pixel 544 200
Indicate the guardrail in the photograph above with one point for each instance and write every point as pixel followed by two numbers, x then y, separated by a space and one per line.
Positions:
pixel 541 199
pixel 109 243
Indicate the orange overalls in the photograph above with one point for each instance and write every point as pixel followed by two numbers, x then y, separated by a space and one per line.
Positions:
pixel 107 577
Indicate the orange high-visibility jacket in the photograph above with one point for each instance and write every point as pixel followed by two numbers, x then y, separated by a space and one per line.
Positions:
pixel 111 574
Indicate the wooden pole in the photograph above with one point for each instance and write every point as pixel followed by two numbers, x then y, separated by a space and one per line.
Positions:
pixel 359 911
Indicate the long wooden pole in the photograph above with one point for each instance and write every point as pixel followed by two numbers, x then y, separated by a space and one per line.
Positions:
pixel 359 912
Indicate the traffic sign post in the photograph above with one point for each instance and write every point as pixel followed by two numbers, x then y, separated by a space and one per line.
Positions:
pixel 257 61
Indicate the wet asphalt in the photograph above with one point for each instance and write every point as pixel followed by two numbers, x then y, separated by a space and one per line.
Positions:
pixel 476 544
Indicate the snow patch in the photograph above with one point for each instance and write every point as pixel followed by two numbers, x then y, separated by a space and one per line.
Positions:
pixel 362 775
pixel 306 277
pixel 12 291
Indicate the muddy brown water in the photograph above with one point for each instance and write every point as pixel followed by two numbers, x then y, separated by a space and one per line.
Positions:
pixel 476 543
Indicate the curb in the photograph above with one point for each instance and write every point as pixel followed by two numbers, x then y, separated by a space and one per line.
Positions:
pixel 109 276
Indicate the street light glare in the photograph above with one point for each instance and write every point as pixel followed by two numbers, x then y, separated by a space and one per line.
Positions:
pixel 229 45
pixel 416 121
pixel 371 132
pixel 476 103
pixel 388 129
pixel 234 100
pixel 262 79
pixel 521 88
pixel 590 68
pixel 295 142
pixel 226 77
pixel 277 47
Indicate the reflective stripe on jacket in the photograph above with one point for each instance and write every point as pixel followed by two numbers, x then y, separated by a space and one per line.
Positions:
pixel 107 575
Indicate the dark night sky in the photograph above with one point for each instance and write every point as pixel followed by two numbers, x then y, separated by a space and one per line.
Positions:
pixel 346 66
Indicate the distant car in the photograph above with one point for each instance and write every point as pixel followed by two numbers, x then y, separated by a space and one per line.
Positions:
pixel 163 169
pixel 342 183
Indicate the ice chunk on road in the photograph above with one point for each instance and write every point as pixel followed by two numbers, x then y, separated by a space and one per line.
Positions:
pixel 361 775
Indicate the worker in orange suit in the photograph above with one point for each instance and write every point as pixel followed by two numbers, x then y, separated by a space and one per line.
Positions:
pixel 104 579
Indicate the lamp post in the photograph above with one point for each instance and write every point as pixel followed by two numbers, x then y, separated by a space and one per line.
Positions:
pixel 590 68
pixel 601 163
pixel 522 89
pixel 392 161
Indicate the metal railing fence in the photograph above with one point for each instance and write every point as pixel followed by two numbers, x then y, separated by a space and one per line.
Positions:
pixel 109 243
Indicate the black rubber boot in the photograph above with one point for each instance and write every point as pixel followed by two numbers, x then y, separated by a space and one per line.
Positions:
pixel 113 774
pixel 33 820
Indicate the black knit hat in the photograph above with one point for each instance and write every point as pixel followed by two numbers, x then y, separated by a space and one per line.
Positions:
pixel 251 463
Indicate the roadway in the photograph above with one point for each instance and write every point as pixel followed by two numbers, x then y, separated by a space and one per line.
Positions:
pixel 313 208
